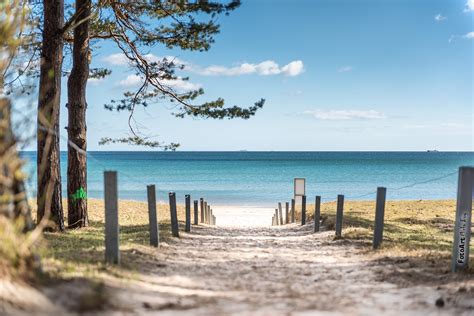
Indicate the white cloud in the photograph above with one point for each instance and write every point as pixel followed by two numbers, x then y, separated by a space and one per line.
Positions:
pixel 293 69
pixel 345 69
pixel 95 81
pixel 469 6
pixel 439 18
pixel 118 59
pixel 469 35
pixel 179 84
pixel 265 68
pixel 346 115
pixel 131 81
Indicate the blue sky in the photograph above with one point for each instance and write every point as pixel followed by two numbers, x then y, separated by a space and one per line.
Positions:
pixel 336 75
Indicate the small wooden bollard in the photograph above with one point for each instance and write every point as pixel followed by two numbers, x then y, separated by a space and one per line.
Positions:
pixel 276 216
pixel 280 213
pixel 303 210
pixel 339 214
pixel 287 206
pixel 173 215
pixel 379 216
pixel 273 220
pixel 202 209
pixel 153 220
pixel 196 212
pixel 215 220
pixel 292 210
pixel 187 203
pixel 462 225
pixel 205 212
pixel 112 252
pixel 317 213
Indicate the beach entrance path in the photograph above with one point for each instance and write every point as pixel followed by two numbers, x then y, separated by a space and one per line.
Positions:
pixel 279 271
pixel 239 217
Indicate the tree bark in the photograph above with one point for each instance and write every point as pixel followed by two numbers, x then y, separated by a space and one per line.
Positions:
pixel 77 129
pixel 48 161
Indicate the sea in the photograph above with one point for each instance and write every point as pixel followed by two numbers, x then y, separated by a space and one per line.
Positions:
pixel 261 179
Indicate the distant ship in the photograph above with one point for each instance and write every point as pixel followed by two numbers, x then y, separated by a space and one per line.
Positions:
pixel 432 151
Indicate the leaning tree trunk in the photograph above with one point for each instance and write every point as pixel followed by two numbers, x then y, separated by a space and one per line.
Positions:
pixel 48 161
pixel 76 85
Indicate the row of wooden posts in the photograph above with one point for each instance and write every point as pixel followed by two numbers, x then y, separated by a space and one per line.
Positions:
pixel 112 227
pixel 462 224
pixel 279 219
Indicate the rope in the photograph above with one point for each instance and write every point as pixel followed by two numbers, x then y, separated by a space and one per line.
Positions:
pixel 395 189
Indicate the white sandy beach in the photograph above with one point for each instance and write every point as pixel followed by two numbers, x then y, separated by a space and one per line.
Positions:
pixel 243 216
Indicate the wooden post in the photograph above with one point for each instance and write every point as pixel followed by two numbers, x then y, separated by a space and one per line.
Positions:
pixel 152 218
pixel 379 216
pixel 276 216
pixel 273 220
pixel 202 209
pixel 112 252
pixel 280 213
pixel 287 206
pixel 209 215
pixel 303 210
pixel 215 220
pixel 339 213
pixel 292 210
pixel 205 212
pixel 462 226
pixel 317 213
pixel 173 215
pixel 196 212
pixel 187 203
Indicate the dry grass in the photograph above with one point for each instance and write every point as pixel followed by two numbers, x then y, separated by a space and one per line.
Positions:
pixel 16 260
pixel 80 252
pixel 411 227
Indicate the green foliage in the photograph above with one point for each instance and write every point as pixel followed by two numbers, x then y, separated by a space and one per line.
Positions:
pixel 181 24
pixel 138 141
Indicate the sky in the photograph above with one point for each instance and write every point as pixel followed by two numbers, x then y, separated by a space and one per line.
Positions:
pixel 337 75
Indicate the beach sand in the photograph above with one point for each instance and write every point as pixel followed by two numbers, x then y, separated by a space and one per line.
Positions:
pixel 235 216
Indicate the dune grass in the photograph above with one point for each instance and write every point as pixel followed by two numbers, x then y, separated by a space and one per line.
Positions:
pixel 80 252
pixel 409 226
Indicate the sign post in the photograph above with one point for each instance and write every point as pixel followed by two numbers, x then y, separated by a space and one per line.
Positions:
pixel 299 189
pixel 462 226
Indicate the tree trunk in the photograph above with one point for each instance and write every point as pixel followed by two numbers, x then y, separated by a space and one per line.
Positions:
pixel 48 160
pixel 77 83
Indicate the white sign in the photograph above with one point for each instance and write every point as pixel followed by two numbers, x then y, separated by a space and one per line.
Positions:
pixel 300 189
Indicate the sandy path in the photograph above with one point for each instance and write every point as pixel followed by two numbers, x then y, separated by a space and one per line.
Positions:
pixel 272 271
pixel 247 216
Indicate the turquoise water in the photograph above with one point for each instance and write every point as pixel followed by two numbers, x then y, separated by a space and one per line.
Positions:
pixel 263 178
